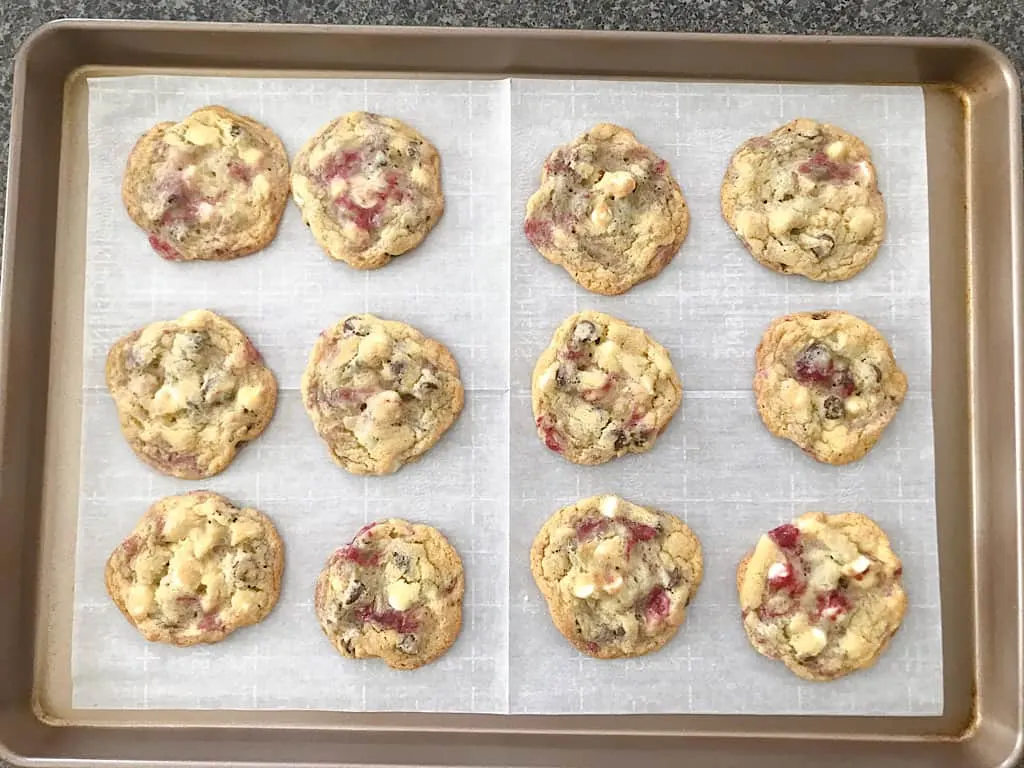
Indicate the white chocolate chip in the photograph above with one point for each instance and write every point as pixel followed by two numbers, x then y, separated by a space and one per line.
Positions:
pixel 866 172
pixel 661 361
pixel 546 381
pixel 809 643
pixel 365 191
pixel 244 601
pixel 647 382
pixel 583 588
pixel 796 395
pixel 177 521
pixel 201 135
pixel 419 176
pixel 374 348
pixel 778 571
pixel 606 355
pixel 205 211
pixel 204 538
pixel 836 437
pixel 300 189
pixel 139 600
pixel 243 530
pixel 854 405
pixel 632 365
pixel 317 156
pixel 168 399
pixel 601 216
pixel 836 150
pixel 250 397
pixel 384 407
pixel 607 549
pixel 609 506
pixel 616 183
pixel 783 220
pixel 213 581
pixel 861 222
pixel 338 187
pixel 857 567
pixel 174 139
pixel 260 186
pixel 402 594
pixel 613 585
pixel 184 570
pixel 751 225
pixel 251 156
pixel 591 379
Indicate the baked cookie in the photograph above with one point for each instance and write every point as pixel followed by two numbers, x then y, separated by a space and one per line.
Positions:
pixel 804 200
pixel 189 392
pixel 195 569
pixel 828 381
pixel 617 577
pixel 211 187
pixel 380 393
pixel 369 187
pixel 603 389
pixel 822 594
pixel 608 211
pixel 394 593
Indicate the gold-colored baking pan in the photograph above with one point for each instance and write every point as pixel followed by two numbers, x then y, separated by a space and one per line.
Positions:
pixel 974 166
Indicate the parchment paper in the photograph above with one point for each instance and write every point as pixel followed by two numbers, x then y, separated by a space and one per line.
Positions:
pixel 477 285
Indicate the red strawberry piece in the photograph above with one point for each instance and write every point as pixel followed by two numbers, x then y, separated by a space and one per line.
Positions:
pixel 550 434
pixel 252 355
pixel 657 605
pixel 781 576
pixel 590 526
pixel 785 536
pixel 823 168
pixel 164 249
pixel 401 621
pixel 211 623
pixel 638 532
pixel 832 605
pixel 357 555
pixel 239 171
pixel 814 365
pixel 341 166
pixel 538 232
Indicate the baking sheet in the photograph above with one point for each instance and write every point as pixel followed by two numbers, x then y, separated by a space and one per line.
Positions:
pixel 454 288
pixel 490 483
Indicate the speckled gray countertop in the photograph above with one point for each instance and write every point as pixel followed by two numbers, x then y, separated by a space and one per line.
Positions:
pixel 994 21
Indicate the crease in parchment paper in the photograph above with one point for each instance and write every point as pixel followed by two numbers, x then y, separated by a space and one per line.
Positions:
pixel 479 287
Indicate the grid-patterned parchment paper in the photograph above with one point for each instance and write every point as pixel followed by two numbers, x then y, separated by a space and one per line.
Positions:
pixel 478 286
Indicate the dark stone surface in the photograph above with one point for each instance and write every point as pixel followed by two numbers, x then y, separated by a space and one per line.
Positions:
pixel 996 21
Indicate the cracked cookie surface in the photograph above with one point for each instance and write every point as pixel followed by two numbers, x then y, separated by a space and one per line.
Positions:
pixel 211 187
pixel 380 393
pixel 823 594
pixel 189 392
pixel 395 593
pixel 602 389
pixel 617 577
pixel 195 569
pixel 369 188
pixel 607 210
pixel 828 381
pixel 805 201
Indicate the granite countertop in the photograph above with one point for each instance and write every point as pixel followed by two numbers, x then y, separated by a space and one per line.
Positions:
pixel 995 21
